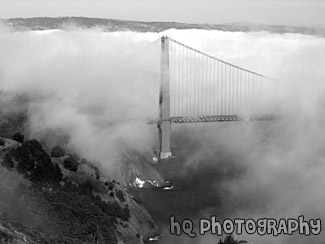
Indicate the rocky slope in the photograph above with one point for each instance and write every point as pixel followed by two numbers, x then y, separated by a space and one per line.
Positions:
pixel 138 172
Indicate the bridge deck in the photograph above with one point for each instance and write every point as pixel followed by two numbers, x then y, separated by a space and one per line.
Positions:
pixel 218 118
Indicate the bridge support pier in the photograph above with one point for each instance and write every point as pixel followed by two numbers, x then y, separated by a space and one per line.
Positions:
pixel 164 124
pixel 164 137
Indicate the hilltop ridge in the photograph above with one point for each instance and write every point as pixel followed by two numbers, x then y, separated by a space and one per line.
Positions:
pixel 111 25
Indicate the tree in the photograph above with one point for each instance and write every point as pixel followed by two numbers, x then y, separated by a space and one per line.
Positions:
pixel 57 152
pixel 2 142
pixel 34 162
pixel 18 137
pixel 7 161
pixel 71 164
pixel 120 196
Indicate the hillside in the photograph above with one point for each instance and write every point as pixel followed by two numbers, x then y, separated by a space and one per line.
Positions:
pixel 59 198
pixel 111 25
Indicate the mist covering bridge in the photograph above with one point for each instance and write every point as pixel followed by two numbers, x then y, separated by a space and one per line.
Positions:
pixel 196 87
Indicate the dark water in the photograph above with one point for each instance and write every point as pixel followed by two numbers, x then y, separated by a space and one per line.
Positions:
pixel 197 191
pixel 206 161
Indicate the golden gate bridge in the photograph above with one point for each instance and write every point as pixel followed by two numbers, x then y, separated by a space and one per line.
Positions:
pixel 194 87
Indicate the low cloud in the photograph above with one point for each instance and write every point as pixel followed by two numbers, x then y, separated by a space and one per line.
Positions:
pixel 84 85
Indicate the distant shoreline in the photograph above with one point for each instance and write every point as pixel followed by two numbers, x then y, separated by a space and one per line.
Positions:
pixel 113 25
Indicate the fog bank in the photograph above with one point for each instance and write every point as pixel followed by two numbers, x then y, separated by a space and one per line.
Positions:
pixel 85 86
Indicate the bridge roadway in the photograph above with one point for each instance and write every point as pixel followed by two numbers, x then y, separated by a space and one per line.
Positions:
pixel 217 118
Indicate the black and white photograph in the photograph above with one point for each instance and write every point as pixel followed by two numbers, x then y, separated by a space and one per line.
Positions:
pixel 162 121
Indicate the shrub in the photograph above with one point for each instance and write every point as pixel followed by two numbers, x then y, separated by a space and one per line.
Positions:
pixel 113 209
pixel 38 173
pixel 86 186
pixel 2 142
pixel 18 137
pixel 120 196
pixel 5 237
pixel 7 161
pixel 87 218
pixel 34 162
pixel 25 161
pixel 57 152
pixel 91 165
pixel 110 185
pixel 71 164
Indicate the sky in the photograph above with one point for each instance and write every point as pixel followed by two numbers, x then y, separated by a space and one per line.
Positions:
pixel 284 12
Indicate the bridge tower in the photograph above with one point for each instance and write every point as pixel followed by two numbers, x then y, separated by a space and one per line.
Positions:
pixel 164 124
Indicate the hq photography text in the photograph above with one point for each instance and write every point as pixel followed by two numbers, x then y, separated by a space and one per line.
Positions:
pixel 262 226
